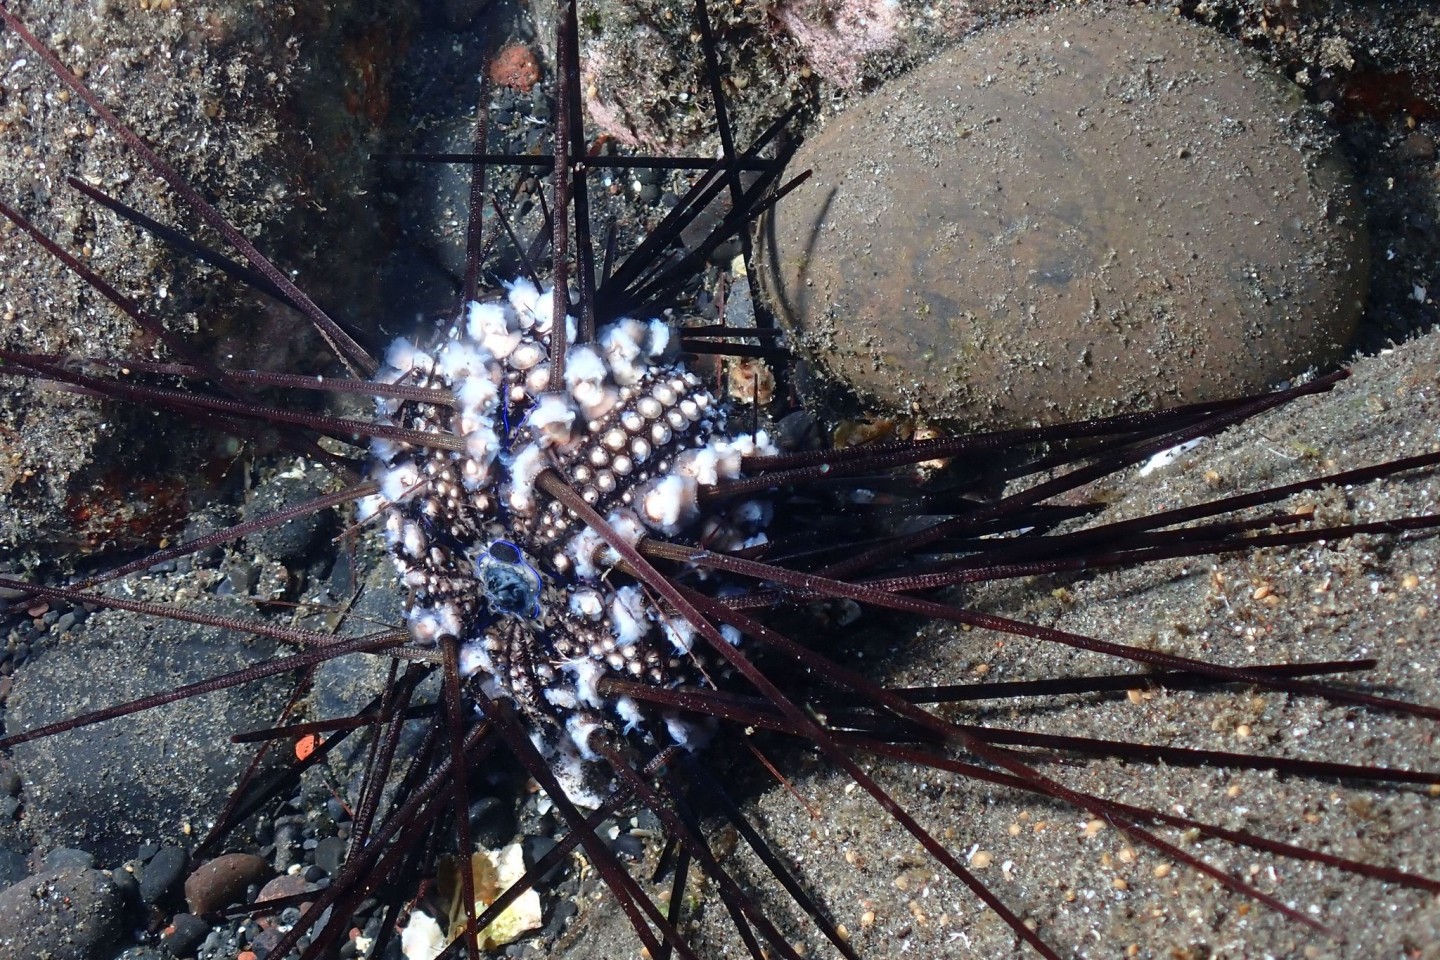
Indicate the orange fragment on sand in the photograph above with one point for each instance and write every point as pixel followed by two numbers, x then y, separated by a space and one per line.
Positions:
pixel 305 746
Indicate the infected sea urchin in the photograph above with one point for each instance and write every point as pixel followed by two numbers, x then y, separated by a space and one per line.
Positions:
pixel 606 564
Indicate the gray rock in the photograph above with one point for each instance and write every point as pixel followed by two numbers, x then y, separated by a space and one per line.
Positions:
pixel 1080 214
pixel 60 915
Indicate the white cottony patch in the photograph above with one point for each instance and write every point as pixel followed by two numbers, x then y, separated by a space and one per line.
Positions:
pixel 623 343
pixel 428 624
pixel 702 465
pixel 686 733
pixel 629 711
pixel 368 507
pixel 478 397
pixel 587 674
pixel 528 464
pixel 385 450
pixel 669 502
pixel 586 602
pixel 585 375
pixel 753 514
pixel 494 326
pixel 629 615
pixel 406 357
pixel 474 658
pixel 585 551
pixel 482 444
pixel 627 524
pixel 580 727
pixel 400 482
pixel 551 420
pixel 524 297
pixel 462 360
pixel 680 632
pixel 422 938
pixel 659 339
pixel 412 540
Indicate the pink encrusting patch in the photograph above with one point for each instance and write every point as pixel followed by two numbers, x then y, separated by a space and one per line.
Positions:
pixel 836 37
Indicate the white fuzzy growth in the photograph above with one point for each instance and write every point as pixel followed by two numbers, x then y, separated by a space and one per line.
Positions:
pixel 753 514
pixel 580 727
pixel 527 355
pixel 537 381
pixel 482 443
pixel 406 357
pixel 606 399
pixel 629 615
pixel 422 938
pixel 494 326
pixel 731 634
pixel 702 465
pixel 680 632
pixel 474 658
pixel 659 339
pixel 585 375
pixel 628 526
pixel 623 343
pixel 669 503
pixel 413 541
pixel 629 711
pixel 687 734
pixel 584 550
pixel 528 464
pixel 462 360
pixel 561 699
pixel 525 297
pixel 368 507
pixel 729 452
pixel 551 420
pixel 384 449
pixel 477 398
pixel 428 624
pixel 587 604
pixel 587 675
pixel 400 482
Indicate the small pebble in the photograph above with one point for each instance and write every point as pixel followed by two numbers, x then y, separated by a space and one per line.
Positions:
pixel 184 935
pixel 162 873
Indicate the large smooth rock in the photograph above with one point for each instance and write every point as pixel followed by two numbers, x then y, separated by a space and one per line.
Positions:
pixel 1078 214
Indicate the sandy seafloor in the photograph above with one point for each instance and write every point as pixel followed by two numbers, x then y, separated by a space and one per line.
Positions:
pixel 1372 597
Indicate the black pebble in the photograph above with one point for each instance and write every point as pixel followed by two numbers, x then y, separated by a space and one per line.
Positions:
pixel 186 933
pixel 629 847
pixel 535 848
pixel 162 873
pixel 492 822
pixel 67 858
pixel 329 853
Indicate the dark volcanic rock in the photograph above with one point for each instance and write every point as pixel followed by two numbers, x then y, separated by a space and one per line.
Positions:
pixel 61 914
pixel 141 778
